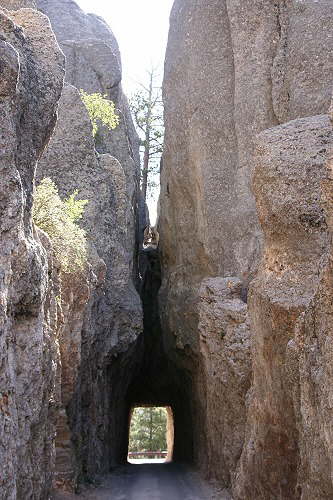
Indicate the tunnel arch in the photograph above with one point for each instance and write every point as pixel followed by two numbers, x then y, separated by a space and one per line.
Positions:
pixel 157 381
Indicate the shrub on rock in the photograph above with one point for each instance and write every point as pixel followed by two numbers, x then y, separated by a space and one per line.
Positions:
pixel 58 218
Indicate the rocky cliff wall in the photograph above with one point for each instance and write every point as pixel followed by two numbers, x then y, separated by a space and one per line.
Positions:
pixel 103 314
pixel 95 316
pixel 93 64
pixel 102 310
pixel 31 79
pixel 234 69
pixel 290 171
pixel 18 4
pixel 313 390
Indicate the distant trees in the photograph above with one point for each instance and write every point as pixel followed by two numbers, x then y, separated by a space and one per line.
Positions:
pixel 100 110
pixel 147 110
pixel 148 429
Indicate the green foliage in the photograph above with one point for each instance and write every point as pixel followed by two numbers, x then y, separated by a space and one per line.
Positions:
pixel 74 207
pixel 148 429
pixel 58 219
pixel 100 109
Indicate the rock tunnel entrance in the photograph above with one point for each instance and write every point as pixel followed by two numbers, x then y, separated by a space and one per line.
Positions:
pixel 110 387
pixel 157 382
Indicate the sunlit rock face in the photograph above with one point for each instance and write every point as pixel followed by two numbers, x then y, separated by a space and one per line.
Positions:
pixel 290 170
pixel 102 313
pixel 93 64
pixel 102 310
pixel 313 390
pixel 31 79
pixel 233 70
pixel 18 4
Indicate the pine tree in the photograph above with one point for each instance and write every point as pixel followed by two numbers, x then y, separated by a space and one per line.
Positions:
pixel 148 429
pixel 147 109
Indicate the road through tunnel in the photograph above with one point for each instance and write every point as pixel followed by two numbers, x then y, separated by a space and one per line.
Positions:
pixel 110 384
pixel 157 381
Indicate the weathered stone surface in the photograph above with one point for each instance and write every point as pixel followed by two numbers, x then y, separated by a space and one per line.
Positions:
pixel 218 94
pixel 31 82
pixel 310 356
pixel 233 69
pixel 290 168
pixel 102 315
pixel 93 64
pixel 18 4
pixel 225 374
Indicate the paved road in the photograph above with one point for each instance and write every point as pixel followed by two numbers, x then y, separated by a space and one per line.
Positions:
pixel 155 482
pixel 148 482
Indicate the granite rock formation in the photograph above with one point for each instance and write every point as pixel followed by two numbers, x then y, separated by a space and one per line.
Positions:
pixel 98 312
pixel 237 341
pixel 225 372
pixel 102 310
pixel 32 71
pixel 93 64
pixel 18 4
pixel 313 391
pixel 287 183
pixel 233 70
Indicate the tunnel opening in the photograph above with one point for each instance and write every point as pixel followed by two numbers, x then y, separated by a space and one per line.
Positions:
pixel 157 381
pixel 151 434
pixel 143 375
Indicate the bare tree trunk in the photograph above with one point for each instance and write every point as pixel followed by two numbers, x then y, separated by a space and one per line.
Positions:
pixel 145 169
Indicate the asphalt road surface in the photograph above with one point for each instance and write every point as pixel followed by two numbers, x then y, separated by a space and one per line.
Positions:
pixel 148 482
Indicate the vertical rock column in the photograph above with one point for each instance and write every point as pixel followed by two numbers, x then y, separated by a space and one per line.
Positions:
pixel 31 79
pixel 290 168
pixel 102 310
pixel 233 69
pixel 312 354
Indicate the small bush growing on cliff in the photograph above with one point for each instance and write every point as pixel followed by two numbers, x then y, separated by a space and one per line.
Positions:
pixel 58 218
pixel 100 109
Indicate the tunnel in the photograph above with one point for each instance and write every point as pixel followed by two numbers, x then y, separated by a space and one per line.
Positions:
pixel 109 387
pixel 157 381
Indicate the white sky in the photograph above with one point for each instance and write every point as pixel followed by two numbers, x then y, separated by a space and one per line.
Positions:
pixel 141 28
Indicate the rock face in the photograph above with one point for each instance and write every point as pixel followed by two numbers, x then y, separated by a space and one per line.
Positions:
pixel 249 74
pixel 18 4
pixel 238 343
pixel 102 313
pixel 102 316
pixel 234 69
pixel 93 64
pixel 313 392
pixel 32 70
pixel 225 369
pixel 287 184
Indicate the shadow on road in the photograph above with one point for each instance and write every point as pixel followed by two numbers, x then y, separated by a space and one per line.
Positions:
pixel 168 481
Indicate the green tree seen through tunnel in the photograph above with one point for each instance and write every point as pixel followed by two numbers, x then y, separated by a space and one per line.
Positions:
pixel 148 430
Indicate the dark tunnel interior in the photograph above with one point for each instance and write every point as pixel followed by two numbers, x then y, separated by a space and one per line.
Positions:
pixel 157 381
pixel 100 411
